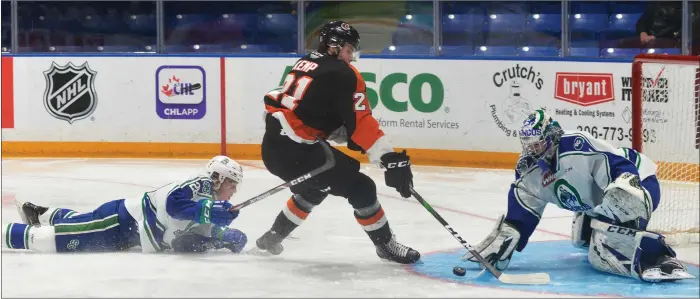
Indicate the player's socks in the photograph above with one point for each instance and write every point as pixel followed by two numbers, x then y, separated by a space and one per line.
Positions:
pixel 54 215
pixel 292 215
pixel 23 236
pixel 374 222
pixel 376 225
pixel 16 236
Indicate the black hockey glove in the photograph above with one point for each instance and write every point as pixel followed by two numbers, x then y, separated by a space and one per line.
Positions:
pixel 398 172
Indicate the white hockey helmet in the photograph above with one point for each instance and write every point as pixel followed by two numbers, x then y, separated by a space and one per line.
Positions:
pixel 221 168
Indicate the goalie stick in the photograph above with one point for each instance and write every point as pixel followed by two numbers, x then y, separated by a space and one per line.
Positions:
pixel 330 163
pixel 532 278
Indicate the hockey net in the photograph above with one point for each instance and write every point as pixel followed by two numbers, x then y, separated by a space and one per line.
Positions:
pixel 666 127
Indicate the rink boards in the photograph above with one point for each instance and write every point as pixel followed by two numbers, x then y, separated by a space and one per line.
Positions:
pixel 452 112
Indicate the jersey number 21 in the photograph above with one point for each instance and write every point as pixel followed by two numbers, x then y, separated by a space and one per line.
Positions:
pixel 302 83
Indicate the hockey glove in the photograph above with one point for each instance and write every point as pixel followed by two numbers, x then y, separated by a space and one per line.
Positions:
pixel 229 238
pixel 498 247
pixel 220 214
pixel 398 172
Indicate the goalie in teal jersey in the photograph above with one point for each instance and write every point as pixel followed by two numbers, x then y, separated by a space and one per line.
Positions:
pixel 613 192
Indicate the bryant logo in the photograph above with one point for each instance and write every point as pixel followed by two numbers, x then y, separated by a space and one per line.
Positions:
pixel 70 91
pixel 584 89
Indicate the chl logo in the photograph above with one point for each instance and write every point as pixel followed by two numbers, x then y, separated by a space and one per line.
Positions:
pixel 70 91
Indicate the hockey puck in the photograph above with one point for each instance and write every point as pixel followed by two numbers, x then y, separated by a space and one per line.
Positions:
pixel 459 271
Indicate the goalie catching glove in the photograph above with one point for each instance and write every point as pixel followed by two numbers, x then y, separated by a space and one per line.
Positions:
pixel 498 247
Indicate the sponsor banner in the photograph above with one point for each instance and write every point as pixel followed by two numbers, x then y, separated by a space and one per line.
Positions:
pixel 455 105
pixel 119 99
pixel 465 105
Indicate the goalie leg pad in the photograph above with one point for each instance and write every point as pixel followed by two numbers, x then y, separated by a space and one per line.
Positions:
pixel 632 253
pixel 498 246
pixel 581 230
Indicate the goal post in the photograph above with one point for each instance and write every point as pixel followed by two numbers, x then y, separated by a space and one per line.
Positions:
pixel 666 127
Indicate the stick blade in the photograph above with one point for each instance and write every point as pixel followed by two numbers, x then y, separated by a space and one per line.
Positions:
pixel 533 278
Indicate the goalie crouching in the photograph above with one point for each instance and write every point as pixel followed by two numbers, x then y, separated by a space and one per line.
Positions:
pixel 612 190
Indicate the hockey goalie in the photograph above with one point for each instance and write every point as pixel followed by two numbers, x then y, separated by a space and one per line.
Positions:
pixel 613 192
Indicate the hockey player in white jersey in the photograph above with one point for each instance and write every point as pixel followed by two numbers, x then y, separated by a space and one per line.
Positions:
pixel 612 190
pixel 185 216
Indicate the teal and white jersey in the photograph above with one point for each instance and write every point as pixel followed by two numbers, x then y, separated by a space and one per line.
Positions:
pixel 583 167
pixel 169 211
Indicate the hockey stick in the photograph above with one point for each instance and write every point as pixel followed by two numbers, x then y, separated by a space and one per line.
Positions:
pixel 533 278
pixel 330 163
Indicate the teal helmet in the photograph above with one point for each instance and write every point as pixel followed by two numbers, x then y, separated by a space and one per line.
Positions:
pixel 540 134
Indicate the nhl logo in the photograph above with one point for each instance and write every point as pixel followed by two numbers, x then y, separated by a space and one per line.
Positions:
pixel 70 91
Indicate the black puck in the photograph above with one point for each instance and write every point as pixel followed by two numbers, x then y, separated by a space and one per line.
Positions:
pixel 459 271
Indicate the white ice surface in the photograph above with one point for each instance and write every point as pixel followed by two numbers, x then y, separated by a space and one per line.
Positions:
pixel 328 256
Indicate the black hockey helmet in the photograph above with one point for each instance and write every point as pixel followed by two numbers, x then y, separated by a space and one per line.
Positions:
pixel 338 34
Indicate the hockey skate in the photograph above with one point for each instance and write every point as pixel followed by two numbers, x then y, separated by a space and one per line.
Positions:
pixel 30 212
pixel 396 252
pixel 667 269
pixel 271 242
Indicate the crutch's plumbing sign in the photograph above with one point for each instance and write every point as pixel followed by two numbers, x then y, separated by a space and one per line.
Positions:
pixel 181 92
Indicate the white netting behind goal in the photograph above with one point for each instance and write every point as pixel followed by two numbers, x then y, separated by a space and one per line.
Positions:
pixel 671 137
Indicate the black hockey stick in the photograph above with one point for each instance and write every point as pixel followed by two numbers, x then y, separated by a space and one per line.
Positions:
pixel 330 163
pixel 533 278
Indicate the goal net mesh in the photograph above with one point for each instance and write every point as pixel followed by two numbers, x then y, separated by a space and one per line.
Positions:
pixel 671 137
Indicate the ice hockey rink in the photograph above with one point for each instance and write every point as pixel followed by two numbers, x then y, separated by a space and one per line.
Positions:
pixel 329 256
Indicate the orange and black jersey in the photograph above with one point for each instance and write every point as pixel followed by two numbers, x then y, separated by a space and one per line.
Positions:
pixel 319 95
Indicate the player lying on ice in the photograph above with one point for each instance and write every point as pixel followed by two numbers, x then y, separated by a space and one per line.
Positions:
pixel 612 191
pixel 186 216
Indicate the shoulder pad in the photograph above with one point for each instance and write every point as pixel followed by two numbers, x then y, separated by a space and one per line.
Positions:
pixel 575 142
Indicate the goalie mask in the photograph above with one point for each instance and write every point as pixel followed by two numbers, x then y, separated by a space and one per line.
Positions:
pixel 540 134
pixel 226 174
